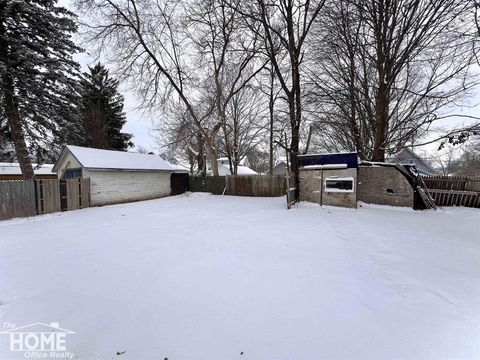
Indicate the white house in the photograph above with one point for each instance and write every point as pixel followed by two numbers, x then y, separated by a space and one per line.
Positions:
pixel 116 176
pixel 406 156
pixel 224 168
pixel 280 167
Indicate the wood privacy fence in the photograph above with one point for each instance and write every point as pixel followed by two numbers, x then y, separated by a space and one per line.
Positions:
pixel 255 185
pixel 240 185
pixel 212 184
pixel 35 197
pixel 454 190
pixel 461 183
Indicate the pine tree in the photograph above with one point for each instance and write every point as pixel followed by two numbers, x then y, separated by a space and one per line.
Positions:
pixel 37 72
pixel 102 111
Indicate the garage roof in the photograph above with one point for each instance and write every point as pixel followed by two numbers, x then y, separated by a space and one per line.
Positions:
pixel 91 158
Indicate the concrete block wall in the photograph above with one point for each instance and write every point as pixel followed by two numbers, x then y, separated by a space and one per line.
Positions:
pixel 312 187
pixel 384 186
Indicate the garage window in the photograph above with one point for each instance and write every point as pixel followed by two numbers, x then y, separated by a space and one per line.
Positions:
pixel 333 184
pixel 75 173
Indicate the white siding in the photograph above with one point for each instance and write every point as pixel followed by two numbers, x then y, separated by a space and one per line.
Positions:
pixel 110 187
pixel 70 162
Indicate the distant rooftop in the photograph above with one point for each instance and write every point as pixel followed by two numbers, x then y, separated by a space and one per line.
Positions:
pixel 14 169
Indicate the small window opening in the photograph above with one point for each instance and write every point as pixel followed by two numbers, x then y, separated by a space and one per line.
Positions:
pixel 339 184
pixel 390 191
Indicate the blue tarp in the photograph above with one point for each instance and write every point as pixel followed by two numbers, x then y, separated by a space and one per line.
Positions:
pixel 350 159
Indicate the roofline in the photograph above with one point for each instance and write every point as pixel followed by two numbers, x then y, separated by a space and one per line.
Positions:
pixel 62 155
pixel 324 154
pixel 416 156
pixel 125 169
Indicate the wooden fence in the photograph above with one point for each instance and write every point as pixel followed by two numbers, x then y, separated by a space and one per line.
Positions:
pixel 454 190
pixel 35 197
pixel 212 184
pixel 239 185
pixel 461 183
pixel 255 185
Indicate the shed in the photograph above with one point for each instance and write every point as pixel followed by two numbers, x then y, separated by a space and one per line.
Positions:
pixel 385 184
pixel 329 179
pixel 340 179
pixel 116 176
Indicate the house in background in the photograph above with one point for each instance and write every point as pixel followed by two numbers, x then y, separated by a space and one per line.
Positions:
pixel 280 167
pixel 12 171
pixel 116 176
pixel 406 156
pixel 224 168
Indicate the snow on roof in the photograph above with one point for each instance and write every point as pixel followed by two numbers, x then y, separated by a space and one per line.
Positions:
pixel 325 154
pixel 241 170
pixel 110 159
pixel 245 170
pixel 224 159
pixel 326 166
pixel 14 169
pixel 179 168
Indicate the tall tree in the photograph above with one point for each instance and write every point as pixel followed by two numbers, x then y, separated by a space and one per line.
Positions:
pixel 285 26
pixel 388 70
pixel 102 111
pixel 37 72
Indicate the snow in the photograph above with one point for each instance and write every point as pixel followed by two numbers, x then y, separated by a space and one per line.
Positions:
pixel 328 153
pixel 245 170
pixel 209 277
pixel 110 159
pixel 241 170
pixel 14 169
pixel 326 166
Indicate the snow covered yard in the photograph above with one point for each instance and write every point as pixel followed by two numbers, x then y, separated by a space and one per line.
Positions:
pixel 211 277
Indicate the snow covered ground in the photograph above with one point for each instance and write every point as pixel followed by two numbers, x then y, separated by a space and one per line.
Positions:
pixel 211 277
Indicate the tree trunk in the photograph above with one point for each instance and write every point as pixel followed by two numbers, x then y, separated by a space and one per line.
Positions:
pixel 212 155
pixel 14 121
pixel 271 104
pixel 11 109
pixel 381 122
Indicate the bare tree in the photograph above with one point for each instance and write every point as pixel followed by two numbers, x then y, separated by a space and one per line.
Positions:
pixel 228 50
pixel 389 69
pixel 285 26
pixel 178 51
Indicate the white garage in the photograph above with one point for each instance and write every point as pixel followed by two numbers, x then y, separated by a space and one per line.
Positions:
pixel 116 176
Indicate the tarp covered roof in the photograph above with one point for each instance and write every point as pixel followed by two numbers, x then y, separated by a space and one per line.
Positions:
pixel 349 159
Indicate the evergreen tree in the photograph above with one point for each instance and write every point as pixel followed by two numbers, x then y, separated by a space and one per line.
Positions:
pixel 37 73
pixel 102 111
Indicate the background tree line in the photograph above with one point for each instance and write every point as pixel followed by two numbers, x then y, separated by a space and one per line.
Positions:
pixel 267 77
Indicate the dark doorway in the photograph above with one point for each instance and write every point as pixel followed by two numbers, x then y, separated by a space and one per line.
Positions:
pixel 178 183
